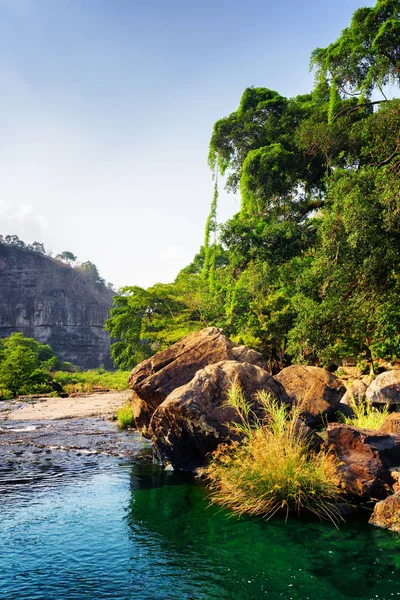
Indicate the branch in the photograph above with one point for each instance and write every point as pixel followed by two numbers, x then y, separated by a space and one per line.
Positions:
pixel 353 108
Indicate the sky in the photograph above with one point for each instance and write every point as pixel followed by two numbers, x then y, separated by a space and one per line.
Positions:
pixel 107 109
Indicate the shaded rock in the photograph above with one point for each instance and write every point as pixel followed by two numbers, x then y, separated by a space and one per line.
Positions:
pixel 366 458
pixel 391 424
pixel 344 409
pixel 153 379
pixel 195 418
pixel 317 391
pixel 387 513
pixel 305 432
pixel 355 391
pixel 385 389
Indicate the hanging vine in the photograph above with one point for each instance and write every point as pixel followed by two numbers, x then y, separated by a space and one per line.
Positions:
pixel 211 232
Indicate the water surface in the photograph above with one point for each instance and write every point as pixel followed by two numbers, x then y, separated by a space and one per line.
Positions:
pixel 95 527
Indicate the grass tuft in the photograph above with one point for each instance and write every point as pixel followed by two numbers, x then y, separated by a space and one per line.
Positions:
pixel 125 416
pixel 273 469
pixel 365 415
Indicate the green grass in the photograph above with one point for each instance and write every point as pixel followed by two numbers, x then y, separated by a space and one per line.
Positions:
pixel 125 416
pixel 91 381
pixel 273 469
pixel 365 415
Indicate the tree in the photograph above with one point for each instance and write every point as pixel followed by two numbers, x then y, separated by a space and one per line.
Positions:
pixel 25 364
pixel 67 257
pixel 366 56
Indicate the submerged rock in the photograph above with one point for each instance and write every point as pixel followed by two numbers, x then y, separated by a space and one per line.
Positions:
pixel 316 390
pixel 195 418
pixel 365 459
pixel 387 513
pixel 155 378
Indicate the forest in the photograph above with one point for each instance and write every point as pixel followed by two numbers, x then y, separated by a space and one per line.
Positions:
pixel 308 270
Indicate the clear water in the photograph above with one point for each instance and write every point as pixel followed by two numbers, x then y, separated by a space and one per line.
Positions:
pixel 104 529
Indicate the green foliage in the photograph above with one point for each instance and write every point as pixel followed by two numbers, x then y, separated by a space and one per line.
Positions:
pixel 309 269
pixel 366 55
pixel 67 256
pixel 92 381
pixel 366 416
pixel 25 365
pixel 125 416
pixel 274 469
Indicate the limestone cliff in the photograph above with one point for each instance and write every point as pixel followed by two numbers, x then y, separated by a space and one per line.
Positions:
pixel 55 304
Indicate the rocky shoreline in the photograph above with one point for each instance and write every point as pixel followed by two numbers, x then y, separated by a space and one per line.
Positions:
pixel 179 402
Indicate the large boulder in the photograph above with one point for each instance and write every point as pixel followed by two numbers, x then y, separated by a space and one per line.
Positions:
pixel 196 417
pixel 355 392
pixel 365 459
pixel 385 389
pixel 316 390
pixel 153 379
pixel 387 513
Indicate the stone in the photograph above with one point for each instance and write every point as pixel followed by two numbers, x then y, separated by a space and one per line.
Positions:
pixel 195 418
pixel 155 378
pixel 385 389
pixel 316 390
pixel 391 424
pixel 355 391
pixel 365 459
pixel 387 513
pixel 55 304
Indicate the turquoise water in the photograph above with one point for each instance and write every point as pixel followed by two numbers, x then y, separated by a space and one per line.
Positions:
pixel 104 529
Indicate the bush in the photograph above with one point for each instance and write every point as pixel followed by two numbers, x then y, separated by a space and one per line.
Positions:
pixel 365 415
pixel 273 469
pixel 125 416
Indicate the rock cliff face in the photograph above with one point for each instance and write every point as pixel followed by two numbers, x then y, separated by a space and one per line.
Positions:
pixel 55 304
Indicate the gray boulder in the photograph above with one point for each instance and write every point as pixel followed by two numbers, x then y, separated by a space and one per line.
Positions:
pixel 385 389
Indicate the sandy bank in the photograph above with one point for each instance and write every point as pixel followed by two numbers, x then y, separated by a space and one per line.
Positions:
pixel 95 405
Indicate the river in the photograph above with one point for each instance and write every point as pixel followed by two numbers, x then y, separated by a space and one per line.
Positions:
pixel 78 525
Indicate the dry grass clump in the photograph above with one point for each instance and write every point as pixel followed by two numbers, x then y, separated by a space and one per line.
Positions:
pixel 273 469
pixel 365 415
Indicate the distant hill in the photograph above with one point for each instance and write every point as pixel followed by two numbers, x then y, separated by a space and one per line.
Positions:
pixel 55 304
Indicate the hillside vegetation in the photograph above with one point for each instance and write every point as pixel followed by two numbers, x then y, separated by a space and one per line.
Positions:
pixel 308 270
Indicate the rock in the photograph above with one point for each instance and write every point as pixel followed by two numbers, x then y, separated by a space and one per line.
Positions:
pixel 355 391
pixel 195 418
pixel 365 459
pixel 55 304
pixel 387 513
pixel 153 379
pixel 317 391
pixel 385 389
pixel 391 424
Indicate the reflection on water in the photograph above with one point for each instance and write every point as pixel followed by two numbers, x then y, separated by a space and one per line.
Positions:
pixel 119 531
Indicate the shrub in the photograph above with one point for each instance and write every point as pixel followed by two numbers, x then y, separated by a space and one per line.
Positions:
pixel 365 415
pixel 273 469
pixel 125 416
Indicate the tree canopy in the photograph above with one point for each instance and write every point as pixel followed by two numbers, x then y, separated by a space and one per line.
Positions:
pixel 309 269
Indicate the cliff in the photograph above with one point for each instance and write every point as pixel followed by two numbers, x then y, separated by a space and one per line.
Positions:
pixel 54 304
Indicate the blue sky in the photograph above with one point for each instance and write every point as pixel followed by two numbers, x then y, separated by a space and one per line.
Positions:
pixel 107 108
